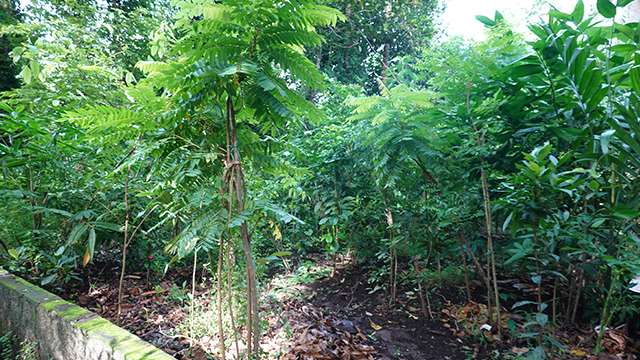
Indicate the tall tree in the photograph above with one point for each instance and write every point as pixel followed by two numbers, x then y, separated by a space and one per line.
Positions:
pixel 360 49
pixel 9 14
pixel 231 64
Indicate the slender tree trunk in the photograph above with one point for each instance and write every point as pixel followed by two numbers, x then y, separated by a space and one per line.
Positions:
pixel 463 255
pixel 236 182
pixel 231 265
pixel 393 259
pixel 576 300
pixel 485 275
pixel 223 352
pixel 193 296
pixel 492 256
pixel 425 303
pixel 125 240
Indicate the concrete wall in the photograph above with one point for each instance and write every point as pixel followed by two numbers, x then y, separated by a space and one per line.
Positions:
pixel 64 331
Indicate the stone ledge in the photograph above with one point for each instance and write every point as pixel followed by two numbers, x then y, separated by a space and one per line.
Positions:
pixel 63 330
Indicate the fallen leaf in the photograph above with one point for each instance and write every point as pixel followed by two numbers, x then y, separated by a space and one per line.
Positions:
pixel 578 352
pixel 374 326
pixel 519 350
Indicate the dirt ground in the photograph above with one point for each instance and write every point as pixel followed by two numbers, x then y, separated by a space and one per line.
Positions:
pixel 315 315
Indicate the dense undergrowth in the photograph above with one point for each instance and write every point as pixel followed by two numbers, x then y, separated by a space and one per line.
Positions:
pixel 235 137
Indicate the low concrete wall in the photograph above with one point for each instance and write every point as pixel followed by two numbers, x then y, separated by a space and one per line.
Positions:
pixel 62 330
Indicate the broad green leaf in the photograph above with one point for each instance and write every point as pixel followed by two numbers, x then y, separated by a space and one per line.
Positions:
pixel 606 8
pixel 526 70
pixel 130 78
pixel 605 139
pixel 77 232
pixel 626 213
pixel 26 74
pixel 48 279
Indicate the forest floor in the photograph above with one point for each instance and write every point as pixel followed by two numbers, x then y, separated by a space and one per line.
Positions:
pixel 310 315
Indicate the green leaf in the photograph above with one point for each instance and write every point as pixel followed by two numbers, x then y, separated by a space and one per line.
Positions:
pixel 77 232
pixel 634 74
pixel 578 12
pixel 485 20
pixel 605 139
pixel 282 254
pixel 542 319
pixel 598 222
pixel 507 221
pixel 130 78
pixel 623 3
pixel 48 279
pixel 523 303
pixel 526 70
pixel 91 242
pixel 606 8
pixel 26 74
pixel 14 253
pixel 625 213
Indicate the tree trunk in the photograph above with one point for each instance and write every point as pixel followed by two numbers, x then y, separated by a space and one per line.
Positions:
pixel 463 255
pixel 125 240
pixel 219 297
pixel 235 179
pixel 492 256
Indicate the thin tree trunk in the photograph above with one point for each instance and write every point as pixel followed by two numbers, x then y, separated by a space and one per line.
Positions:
pixel 576 301
pixel 125 240
pixel 485 275
pixel 393 259
pixel 230 266
pixel 554 311
pixel 492 259
pixel 193 295
pixel 463 255
pixel 236 181
pixel 426 305
pixel 223 352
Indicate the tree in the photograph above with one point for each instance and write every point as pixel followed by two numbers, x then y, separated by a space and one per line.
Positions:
pixel 8 15
pixel 361 49
pixel 229 62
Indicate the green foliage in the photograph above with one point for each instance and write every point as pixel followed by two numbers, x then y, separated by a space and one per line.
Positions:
pixel 396 171
pixel 359 50
pixel 11 349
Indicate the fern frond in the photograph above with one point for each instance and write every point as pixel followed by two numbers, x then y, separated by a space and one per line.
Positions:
pixel 299 66
pixel 321 15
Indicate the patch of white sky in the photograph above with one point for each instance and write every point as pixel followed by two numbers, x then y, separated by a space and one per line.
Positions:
pixel 459 18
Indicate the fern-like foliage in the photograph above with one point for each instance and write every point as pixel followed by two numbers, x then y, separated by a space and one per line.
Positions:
pixel 403 126
pixel 247 50
pixel 6 346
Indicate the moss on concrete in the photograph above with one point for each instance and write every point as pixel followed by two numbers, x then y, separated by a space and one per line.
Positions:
pixel 105 337
pixel 51 305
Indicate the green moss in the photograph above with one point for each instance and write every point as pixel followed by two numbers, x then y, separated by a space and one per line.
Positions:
pixel 98 328
pixel 50 305
pixel 73 312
